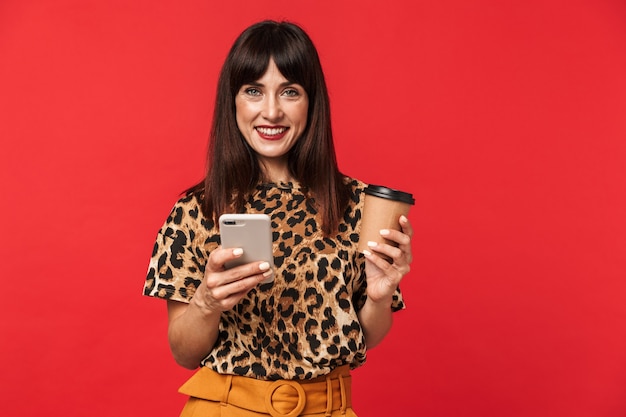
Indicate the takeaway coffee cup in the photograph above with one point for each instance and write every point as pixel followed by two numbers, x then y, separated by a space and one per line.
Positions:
pixel 382 209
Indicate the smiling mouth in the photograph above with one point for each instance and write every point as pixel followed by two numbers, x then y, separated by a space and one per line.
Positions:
pixel 271 131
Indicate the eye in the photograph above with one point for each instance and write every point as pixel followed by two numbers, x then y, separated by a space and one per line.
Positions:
pixel 252 91
pixel 291 92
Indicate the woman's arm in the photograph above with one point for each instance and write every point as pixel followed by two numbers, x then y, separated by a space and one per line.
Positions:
pixel 376 319
pixel 193 328
pixel 192 332
pixel 383 279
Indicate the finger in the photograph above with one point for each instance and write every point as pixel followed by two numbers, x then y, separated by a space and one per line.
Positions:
pixel 390 271
pixel 235 290
pixel 241 286
pixel 396 236
pixel 405 243
pixel 216 275
pixel 376 259
pixel 256 271
pixel 231 300
pixel 219 256
pixel 403 239
pixel 399 257
pixel 391 251
pixel 407 228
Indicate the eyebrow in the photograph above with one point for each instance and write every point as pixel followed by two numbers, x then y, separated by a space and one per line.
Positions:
pixel 285 84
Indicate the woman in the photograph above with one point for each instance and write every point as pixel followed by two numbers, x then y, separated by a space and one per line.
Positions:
pixel 284 348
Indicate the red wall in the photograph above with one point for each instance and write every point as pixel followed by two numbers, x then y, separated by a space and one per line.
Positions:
pixel 506 119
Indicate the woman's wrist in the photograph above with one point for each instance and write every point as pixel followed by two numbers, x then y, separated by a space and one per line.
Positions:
pixel 382 302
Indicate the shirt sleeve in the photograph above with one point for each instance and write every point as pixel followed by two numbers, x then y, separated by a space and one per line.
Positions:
pixel 175 270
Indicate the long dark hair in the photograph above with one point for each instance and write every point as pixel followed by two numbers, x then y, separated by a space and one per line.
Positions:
pixel 233 170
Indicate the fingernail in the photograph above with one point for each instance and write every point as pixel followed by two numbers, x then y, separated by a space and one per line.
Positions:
pixel 264 266
pixel 367 253
pixel 237 251
pixel 268 274
pixel 371 244
pixel 384 232
pixel 403 219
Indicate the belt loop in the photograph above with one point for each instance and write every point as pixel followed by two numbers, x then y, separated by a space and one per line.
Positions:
pixel 227 385
pixel 344 398
pixel 329 397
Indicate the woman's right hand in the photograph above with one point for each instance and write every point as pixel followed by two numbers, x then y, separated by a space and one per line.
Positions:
pixel 193 328
pixel 223 288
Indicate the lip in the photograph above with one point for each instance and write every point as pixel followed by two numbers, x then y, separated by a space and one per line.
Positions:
pixel 271 132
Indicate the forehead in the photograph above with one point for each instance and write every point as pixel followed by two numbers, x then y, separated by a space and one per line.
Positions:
pixel 261 71
pixel 272 74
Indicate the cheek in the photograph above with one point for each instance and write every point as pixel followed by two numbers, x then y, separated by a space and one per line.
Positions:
pixel 303 114
pixel 241 117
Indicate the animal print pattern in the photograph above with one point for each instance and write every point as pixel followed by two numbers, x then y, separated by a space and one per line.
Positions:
pixel 303 324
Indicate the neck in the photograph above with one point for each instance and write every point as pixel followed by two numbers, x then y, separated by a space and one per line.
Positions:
pixel 276 172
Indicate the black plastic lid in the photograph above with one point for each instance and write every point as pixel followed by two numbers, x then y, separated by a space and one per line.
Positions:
pixel 389 193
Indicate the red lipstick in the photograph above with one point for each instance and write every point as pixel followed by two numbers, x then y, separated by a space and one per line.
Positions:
pixel 271 132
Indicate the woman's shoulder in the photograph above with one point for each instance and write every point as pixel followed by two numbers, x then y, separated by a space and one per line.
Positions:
pixel 187 213
pixel 356 186
pixel 188 201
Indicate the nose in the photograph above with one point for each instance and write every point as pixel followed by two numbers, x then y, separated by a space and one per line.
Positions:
pixel 272 110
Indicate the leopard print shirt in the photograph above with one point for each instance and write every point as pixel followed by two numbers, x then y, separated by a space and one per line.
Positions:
pixel 304 323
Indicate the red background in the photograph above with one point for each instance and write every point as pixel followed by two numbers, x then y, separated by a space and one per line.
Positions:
pixel 505 119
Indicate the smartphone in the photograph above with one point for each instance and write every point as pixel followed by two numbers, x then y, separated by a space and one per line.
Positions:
pixel 250 232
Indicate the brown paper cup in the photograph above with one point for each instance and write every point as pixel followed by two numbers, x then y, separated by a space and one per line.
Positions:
pixel 382 209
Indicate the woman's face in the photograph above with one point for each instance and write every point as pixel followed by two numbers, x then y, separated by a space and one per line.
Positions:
pixel 271 115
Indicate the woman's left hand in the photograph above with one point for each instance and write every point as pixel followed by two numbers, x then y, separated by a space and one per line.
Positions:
pixel 383 277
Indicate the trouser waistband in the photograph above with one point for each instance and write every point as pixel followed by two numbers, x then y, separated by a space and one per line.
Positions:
pixel 282 398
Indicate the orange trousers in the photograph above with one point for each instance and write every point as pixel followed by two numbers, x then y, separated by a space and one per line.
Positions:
pixel 214 395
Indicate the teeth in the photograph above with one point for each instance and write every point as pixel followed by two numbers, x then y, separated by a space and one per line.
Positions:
pixel 271 131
